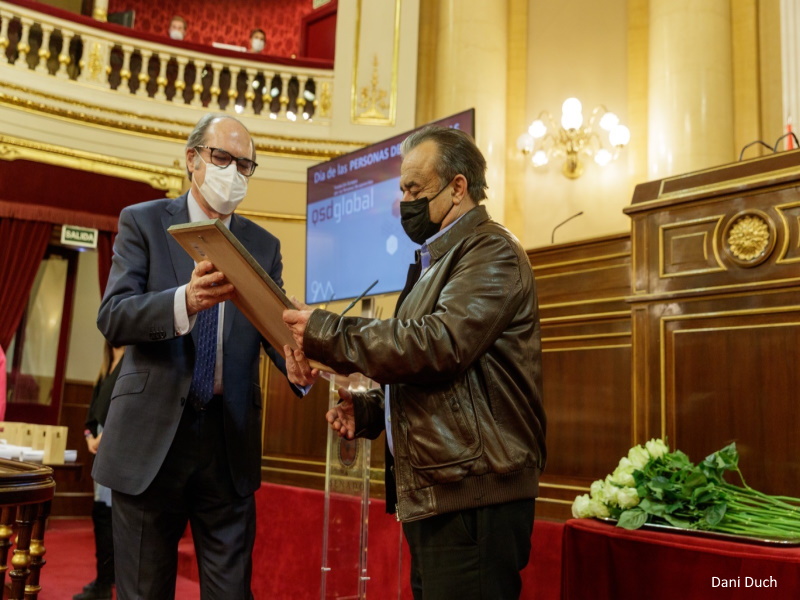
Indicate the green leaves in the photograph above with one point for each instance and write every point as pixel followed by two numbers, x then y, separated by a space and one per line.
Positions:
pixel 632 519
pixel 713 514
pixel 715 465
pixel 653 485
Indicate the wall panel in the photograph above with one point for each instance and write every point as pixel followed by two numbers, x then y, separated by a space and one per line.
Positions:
pixel 586 364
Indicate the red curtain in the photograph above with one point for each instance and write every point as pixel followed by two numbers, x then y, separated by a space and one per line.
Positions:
pixel 105 251
pixel 22 247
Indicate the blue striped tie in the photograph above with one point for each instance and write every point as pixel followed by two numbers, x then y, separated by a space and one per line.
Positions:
pixel 202 388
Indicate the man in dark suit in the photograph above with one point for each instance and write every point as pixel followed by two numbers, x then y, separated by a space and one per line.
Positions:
pixel 184 426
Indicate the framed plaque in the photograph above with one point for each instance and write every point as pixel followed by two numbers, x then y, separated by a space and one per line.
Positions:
pixel 257 296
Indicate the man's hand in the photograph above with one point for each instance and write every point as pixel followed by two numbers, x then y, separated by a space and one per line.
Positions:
pixel 342 417
pixel 296 321
pixel 298 370
pixel 207 288
pixel 93 443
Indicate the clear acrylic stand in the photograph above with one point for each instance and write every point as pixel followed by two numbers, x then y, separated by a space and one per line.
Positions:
pixel 346 506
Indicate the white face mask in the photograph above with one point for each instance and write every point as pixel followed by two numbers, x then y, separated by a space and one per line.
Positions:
pixel 257 45
pixel 223 189
pixel 176 34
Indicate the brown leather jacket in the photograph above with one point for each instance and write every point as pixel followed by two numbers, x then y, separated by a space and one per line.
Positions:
pixel 462 359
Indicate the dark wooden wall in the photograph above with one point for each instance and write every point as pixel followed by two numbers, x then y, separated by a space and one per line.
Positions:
pixel 74 487
pixel 586 364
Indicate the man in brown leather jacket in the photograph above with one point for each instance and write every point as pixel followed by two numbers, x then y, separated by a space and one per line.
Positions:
pixel 461 366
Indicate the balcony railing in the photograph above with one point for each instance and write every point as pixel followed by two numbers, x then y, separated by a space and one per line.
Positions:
pixel 75 48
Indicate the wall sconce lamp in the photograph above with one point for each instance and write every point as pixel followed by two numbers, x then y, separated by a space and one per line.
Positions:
pixel 545 139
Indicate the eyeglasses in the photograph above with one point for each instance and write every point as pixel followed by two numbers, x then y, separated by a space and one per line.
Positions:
pixel 222 158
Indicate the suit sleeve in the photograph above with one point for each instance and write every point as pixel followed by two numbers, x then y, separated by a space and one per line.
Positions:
pixel 130 313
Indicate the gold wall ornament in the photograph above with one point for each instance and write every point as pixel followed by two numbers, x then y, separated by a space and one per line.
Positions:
pixel 325 100
pixel 373 99
pixel 749 238
pixel 95 62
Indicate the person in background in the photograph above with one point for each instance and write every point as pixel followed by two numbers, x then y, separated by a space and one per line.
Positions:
pixel 177 28
pixel 100 588
pixel 258 40
pixel 183 432
pixel 461 361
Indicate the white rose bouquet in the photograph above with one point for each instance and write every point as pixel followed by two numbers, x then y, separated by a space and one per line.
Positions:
pixel 654 485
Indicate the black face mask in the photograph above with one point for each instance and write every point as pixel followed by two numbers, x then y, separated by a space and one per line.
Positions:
pixel 416 219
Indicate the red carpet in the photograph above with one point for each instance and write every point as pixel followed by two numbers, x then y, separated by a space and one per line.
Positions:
pixel 288 554
pixel 69 545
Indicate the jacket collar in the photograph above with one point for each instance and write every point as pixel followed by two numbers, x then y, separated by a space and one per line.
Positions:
pixel 463 227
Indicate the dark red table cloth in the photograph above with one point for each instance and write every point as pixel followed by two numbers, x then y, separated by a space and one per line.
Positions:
pixel 601 561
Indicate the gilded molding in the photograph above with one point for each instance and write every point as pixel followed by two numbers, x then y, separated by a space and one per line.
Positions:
pixel 169 179
pixel 790 248
pixel 561 486
pixel 595 336
pixel 788 174
pixel 580 261
pixel 282 146
pixel 540 275
pixel 585 302
pixel 576 348
pixel 716 220
pixel 617 316
pixel 269 216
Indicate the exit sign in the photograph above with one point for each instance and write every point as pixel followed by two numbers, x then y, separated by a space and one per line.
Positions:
pixel 72 235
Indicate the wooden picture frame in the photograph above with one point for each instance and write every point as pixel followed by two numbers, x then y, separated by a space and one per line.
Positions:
pixel 257 296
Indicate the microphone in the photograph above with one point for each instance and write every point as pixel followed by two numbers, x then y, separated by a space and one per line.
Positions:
pixel 364 293
pixel 553 235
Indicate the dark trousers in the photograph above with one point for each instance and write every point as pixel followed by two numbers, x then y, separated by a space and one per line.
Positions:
pixel 194 485
pixel 103 543
pixel 474 554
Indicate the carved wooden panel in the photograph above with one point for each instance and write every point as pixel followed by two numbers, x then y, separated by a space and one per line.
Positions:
pixel 716 314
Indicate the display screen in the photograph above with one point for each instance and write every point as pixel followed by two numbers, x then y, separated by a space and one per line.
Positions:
pixel 353 231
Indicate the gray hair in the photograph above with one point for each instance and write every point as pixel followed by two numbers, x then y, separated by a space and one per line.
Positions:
pixel 458 155
pixel 198 135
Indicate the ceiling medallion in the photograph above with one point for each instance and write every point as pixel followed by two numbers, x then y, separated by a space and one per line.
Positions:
pixel 749 238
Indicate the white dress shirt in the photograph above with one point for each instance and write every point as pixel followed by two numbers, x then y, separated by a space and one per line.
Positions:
pixel 183 322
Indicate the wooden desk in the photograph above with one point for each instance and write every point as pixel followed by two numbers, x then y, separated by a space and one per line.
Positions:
pixel 26 492
pixel 605 562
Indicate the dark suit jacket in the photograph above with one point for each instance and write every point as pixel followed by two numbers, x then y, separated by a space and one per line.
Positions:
pixel 150 394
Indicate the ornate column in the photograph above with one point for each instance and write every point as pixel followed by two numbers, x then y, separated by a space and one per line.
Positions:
pixel 100 10
pixel 469 67
pixel 690 115
pixel 790 47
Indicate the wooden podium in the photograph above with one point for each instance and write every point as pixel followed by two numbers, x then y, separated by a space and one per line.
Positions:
pixel 715 311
